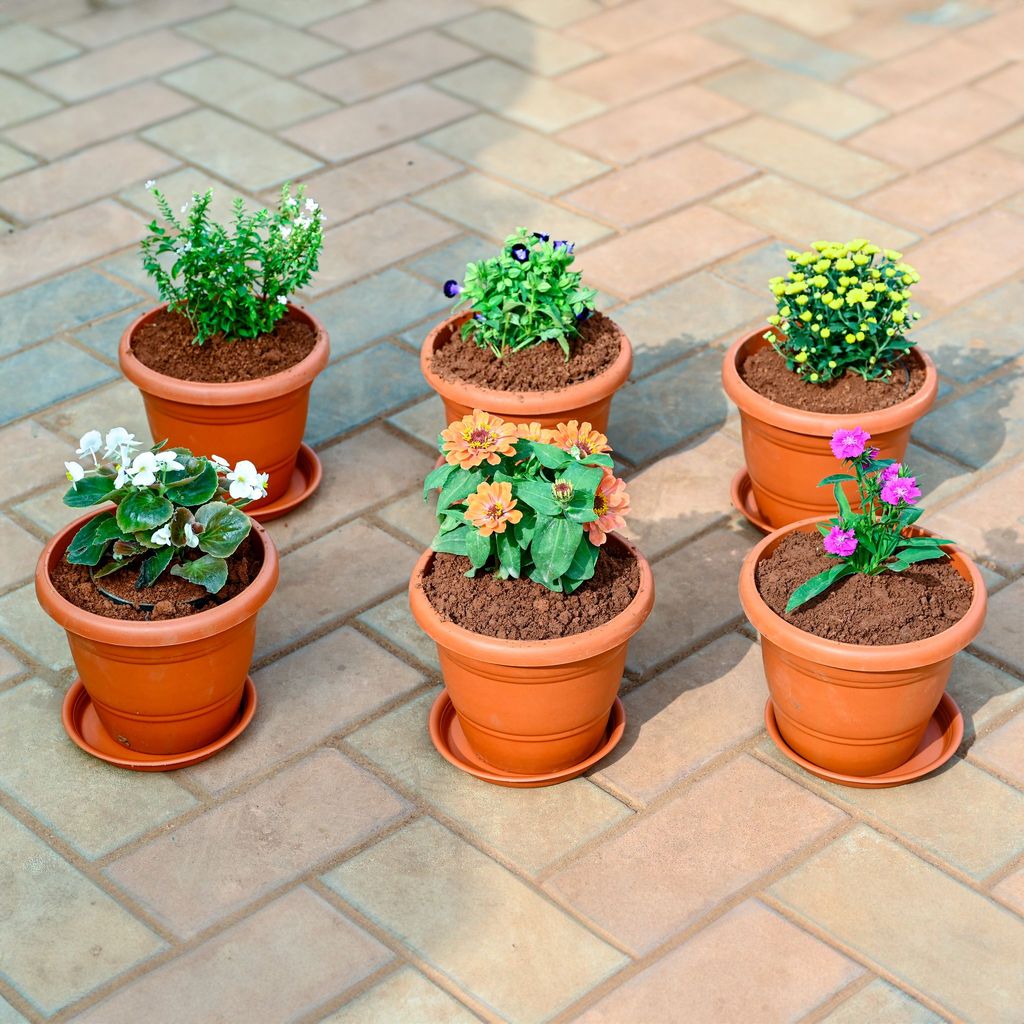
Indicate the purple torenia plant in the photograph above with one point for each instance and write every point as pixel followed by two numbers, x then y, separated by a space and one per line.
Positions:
pixel 872 540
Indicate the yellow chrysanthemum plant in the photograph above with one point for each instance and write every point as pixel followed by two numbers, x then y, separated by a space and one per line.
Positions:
pixel 844 306
pixel 522 501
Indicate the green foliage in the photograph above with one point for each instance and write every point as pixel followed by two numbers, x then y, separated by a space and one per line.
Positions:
pixel 233 279
pixel 523 297
pixel 843 306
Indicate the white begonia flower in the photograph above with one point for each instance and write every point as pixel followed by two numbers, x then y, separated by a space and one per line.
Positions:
pixel 74 473
pixel 190 536
pixel 144 469
pixel 246 482
pixel 118 441
pixel 150 184
pixel 223 463
pixel 89 444
pixel 162 536
pixel 260 486
pixel 169 459
pixel 123 477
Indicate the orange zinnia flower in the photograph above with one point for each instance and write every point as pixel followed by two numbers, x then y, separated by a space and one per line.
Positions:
pixel 611 503
pixel 491 508
pixel 580 440
pixel 534 432
pixel 478 438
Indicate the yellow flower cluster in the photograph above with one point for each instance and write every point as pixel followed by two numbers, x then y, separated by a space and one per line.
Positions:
pixel 843 306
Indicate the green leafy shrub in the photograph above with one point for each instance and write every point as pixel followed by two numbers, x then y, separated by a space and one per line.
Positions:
pixel 233 279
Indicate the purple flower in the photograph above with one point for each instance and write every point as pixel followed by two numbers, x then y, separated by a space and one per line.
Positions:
pixel 541 235
pixel 901 488
pixel 519 252
pixel 451 289
pixel 840 542
pixel 478 316
pixel 583 314
pixel 849 444
pixel 889 473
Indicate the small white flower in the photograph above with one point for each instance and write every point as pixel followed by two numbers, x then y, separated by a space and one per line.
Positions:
pixel 259 489
pixel 144 469
pixel 286 232
pixel 303 221
pixel 119 441
pixel 291 201
pixel 246 482
pixel 282 300
pixel 169 460
pixel 74 473
pixel 184 208
pixel 223 463
pixel 150 184
pixel 123 476
pixel 190 537
pixel 312 204
pixel 89 444
pixel 162 536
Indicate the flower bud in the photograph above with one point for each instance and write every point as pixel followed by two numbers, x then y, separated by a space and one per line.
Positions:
pixel 562 491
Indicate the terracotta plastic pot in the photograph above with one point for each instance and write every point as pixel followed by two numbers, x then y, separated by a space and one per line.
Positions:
pixel 162 687
pixel 534 707
pixel 787 450
pixel 590 400
pixel 856 710
pixel 260 420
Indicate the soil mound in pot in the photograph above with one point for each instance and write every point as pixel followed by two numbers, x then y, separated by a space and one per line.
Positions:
pixel 165 344
pixel 524 610
pixel 890 608
pixel 765 372
pixel 171 596
pixel 540 368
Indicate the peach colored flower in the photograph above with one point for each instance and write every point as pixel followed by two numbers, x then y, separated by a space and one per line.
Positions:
pixel 534 432
pixel 611 503
pixel 479 437
pixel 491 507
pixel 579 439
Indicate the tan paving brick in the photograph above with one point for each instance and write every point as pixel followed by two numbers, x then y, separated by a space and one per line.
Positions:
pixel 553 16
pixel 651 68
pixel 179 187
pixel 890 908
pixel 63 936
pixel 881 1001
pixel 1002 33
pixel 306 696
pixel 28 451
pixel 12 161
pixel 428 887
pixel 912 78
pixel 376 23
pixel 519 96
pixel 1011 891
pixel 513 152
pixel 1003 751
pixel 393 620
pixel 123 62
pixel 982 692
pixel 665 249
pixel 735 825
pixel 625 26
pixel 111 24
pixel 265 43
pixel 408 993
pixel 285 826
pixel 936 129
pixel 299 14
pixel 118 404
pixel 685 717
pixel 19 102
pixel 750 965
pixel 82 178
pixel 656 186
pixel 390 66
pixel 25 48
pixel 797 215
pixel 1007 83
pixel 647 126
pixel 530 828
pixel 25 624
pixel 84 124
pixel 18 553
pixel 377 123
pixel 496 209
pixel 803 156
pixel 288 958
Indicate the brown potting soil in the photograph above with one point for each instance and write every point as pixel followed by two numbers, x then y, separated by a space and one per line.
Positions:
pixel 542 367
pixel 890 608
pixel 765 372
pixel 171 596
pixel 523 610
pixel 165 344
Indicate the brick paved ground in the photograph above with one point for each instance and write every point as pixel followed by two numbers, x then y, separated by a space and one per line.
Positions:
pixel 329 866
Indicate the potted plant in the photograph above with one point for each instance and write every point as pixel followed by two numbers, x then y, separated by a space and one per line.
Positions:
pixel 158 591
pixel 860 618
pixel 837 347
pixel 226 362
pixel 530 598
pixel 525 342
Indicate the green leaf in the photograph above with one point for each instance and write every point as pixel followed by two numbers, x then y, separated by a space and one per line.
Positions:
pixel 224 528
pixel 453 543
pixel 195 489
pixel 923 542
pixel 458 487
pixel 585 479
pixel 110 568
pixel 547 454
pixel 818 584
pixel 554 545
pixel 87 546
pixel 584 560
pixel 844 506
pixel 537 494
pixel 581 508
pixel 908 557
pixel 152 568
pixel 909 516
pixel 143 510
pixel 509 554
pixel 437 478
pixel 207 571
pixel 90 491
pixel 598 459
pixel 837 478
pixel 478 547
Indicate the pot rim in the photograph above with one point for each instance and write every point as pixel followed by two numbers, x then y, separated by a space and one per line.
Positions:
pixel 514 403
pixel 166 632
pixel 860 657
pixel 819 424
pixel 243 392
pixel 535 653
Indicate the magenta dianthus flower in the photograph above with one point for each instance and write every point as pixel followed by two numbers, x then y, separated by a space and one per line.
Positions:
pixel 889 473
pixel 840 542
pixel 901 488
pixel 849 444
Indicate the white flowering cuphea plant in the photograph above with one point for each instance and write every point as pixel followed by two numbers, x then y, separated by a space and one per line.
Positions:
pixel 167 503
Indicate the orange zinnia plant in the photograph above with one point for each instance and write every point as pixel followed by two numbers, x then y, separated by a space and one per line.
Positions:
pixel 520 500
